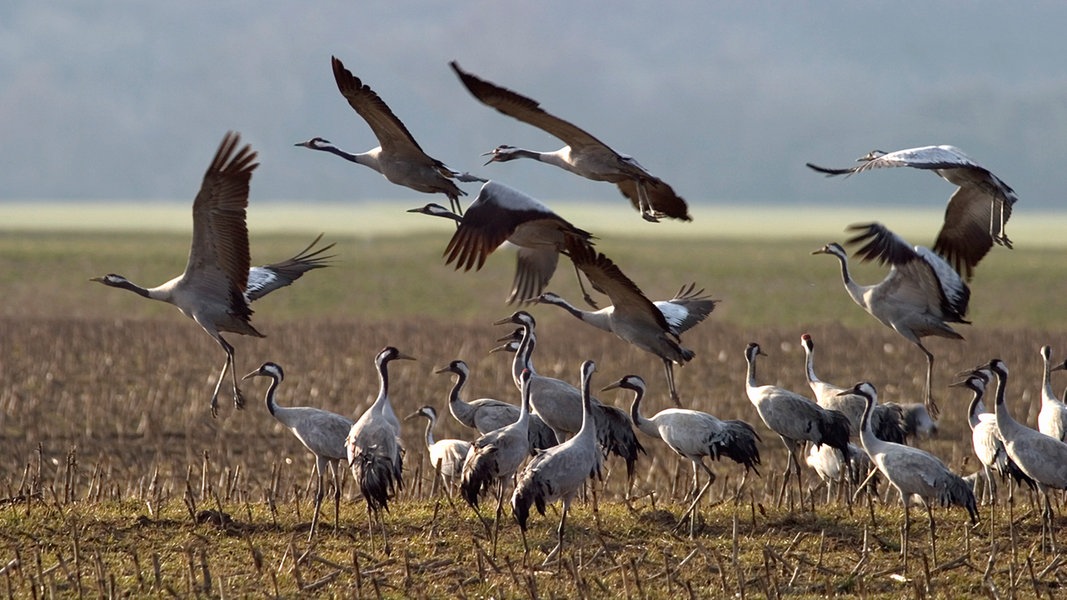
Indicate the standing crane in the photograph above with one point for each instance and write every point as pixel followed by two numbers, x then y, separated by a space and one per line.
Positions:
pixel 487 414
pixel 921 296
pixel 887 421
pixel 501 214
pixel 219 285
pixel 559 472
pixel 320 431
pixel 1052 419
pixel 496 457
pixel 373 446
pixel 693 434
pixel 795 418
pixel 1042 457
pixel 446 456
pixel 913 471
pixel 399 158
pixel 653 327
pixel 985 441
pixel 584 155
pixel 559 403
pixel 977 211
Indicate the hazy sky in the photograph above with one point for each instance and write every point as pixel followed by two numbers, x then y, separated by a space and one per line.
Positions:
pixel 724 100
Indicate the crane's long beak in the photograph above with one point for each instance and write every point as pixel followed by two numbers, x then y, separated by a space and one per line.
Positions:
pixel 402 356
pixel 613 386
pixel 412 416
pixel 1060 367
pixel 503 321
pixel 250 375
pixel 504 348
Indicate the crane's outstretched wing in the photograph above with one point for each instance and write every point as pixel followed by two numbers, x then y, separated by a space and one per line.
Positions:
pixel 606 277
pixel 219 255
pixel 265 279
pixel 525 109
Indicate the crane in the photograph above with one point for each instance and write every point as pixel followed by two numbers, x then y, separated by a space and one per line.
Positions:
pixel 1042 457
pixel 559 472
pixel 794 418
pixel 833 470
pixel 496 456
pixel 501 214
pixel 913 471
pixel 447 455
pixel 373 445
pixel 985 441
pixel 653 327
pixel 399 158
pixel 1052 419
pixel 583 155
pixel 487 414
pixel 887 421
pixel 921 296
pixel 559 403
pixel 977 211
pixel 218 284
pixel 693 434
pixel 320 431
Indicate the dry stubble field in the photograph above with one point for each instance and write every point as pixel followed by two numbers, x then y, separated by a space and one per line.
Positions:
pixel 111 455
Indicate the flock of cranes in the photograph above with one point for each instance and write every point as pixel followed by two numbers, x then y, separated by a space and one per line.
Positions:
pixel 552 443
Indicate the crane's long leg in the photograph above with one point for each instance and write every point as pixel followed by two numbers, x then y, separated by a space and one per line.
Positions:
pixel 585 294
pixel 558 550
pixel 668 369
pixel 319 464
pixel 644 205
pixel 336 470
pixel 931 406
pixel 933 534
pixel 904 530
pixel 238 397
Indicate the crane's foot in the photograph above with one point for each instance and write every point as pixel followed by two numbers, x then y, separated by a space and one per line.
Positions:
pixel 238 398
pixel 651 218
pixel 214 407
pixel 589 300
pixel 676 398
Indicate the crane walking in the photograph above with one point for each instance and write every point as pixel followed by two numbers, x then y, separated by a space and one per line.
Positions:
pixel 320 431
pixel 913 472
pixel 693 434
pixel 795 419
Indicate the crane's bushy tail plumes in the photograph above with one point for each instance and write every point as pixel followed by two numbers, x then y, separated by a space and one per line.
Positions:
pixel 1010 469
pixel 834 431
pixel 957 493
pixel 616 435
pixel 378 475
pixel 478 474
pixel 530 491
pixel 738 442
